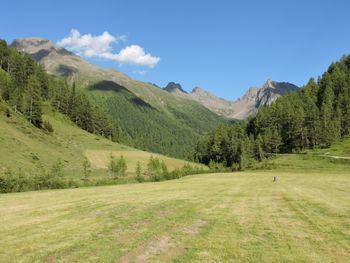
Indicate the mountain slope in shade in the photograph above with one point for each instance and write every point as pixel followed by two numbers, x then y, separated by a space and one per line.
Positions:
pixel 150 117
pixel 243 107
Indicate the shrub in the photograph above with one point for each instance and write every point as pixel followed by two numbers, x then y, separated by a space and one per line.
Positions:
pixel 86 168
pixel 139 176
pixel 117 167
pixel 154 169
pixel 47 126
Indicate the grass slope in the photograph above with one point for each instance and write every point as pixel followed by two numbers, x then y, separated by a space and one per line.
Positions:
pixel 242 217
pixel 26 147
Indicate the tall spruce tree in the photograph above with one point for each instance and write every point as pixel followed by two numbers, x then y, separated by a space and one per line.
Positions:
pixel 32 104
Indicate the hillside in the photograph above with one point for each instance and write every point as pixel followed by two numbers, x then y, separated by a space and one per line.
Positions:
pixel 27 148
pixel 150 117
pixel 242 108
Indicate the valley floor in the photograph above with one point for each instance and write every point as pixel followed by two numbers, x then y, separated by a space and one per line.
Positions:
pixel 213 218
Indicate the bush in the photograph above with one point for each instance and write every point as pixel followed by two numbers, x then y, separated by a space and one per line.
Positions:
pixel 139 176
pixel 57 169
pixel 47 126
pixel 154 169
pixel 117 167
pixel 86 168
pixel 121 166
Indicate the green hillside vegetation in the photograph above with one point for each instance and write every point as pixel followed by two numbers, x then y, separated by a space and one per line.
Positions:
pixel 245 217
pixel 172 131
pixel 25 85
pixel 42 141
pixel 29 151
pixel 316 116
pixel 151 119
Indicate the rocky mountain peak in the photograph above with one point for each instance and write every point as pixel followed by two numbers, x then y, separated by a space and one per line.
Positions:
pixel 173 87
pixel 38 47
pixel 57 60
pixel 250 95
pixel 31 43
pixel 269 83
pixel 197 90
pixel 241 108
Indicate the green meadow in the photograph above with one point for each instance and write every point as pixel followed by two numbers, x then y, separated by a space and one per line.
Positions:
pixel 229 217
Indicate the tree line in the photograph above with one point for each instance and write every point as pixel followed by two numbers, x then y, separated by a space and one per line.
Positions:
pixel 25 85
pixel 317 115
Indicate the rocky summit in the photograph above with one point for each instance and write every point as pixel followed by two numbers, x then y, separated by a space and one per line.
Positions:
pixel 241 108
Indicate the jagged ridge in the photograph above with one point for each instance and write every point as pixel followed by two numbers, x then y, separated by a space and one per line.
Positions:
pixel 241 108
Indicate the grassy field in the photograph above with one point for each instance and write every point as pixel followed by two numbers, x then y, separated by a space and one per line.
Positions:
pixel 212 218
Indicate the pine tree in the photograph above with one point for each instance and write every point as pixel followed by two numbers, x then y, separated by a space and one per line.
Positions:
pixel 5 83
pixel 43 81
pixel 73 104
pixel 258 150
pixel 311 121
pixel 32 105
pixel 326 97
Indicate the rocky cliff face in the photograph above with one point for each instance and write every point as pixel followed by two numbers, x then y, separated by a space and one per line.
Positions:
pixel 243 107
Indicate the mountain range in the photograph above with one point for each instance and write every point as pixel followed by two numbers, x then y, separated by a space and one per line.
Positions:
pixel 167 120
pixel 241 108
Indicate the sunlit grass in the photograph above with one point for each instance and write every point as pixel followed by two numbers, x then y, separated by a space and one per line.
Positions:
pixel 214 218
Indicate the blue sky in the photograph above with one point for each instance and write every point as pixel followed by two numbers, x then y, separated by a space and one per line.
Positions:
pixel 222 46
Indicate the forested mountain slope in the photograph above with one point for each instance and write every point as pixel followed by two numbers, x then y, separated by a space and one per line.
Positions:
pixel 47 124
pixel 316 116
pixel 149 117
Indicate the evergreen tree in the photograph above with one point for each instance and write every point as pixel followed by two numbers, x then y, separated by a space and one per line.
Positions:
pixel 72 111
pixel 258 150
pixel 32 106
pixel 326 97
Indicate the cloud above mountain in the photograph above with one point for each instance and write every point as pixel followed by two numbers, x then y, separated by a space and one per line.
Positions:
pixel 100 46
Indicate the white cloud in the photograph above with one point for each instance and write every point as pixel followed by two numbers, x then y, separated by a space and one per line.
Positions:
pixel 101 47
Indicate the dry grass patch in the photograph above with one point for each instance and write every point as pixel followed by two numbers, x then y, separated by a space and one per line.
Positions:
pixel 100 159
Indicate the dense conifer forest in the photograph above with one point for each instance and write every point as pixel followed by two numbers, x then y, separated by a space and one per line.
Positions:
pixel 315 116
pixel 25 85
